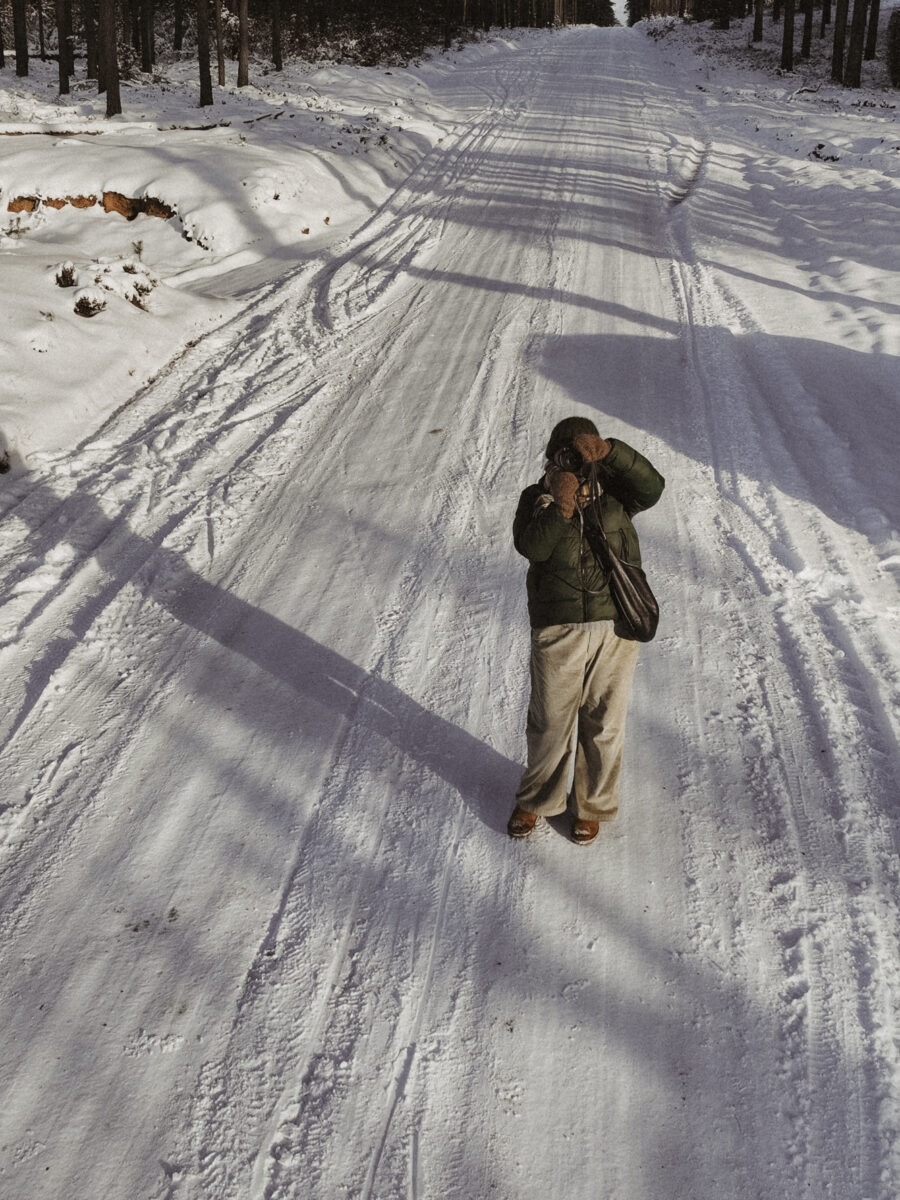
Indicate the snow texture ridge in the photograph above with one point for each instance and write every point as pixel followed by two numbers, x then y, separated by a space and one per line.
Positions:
pixel 264 651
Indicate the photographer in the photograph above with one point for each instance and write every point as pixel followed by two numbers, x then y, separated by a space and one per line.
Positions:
pixel 582 656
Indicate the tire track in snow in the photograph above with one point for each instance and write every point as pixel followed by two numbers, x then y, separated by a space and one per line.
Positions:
pixel 371 270
pixel 134 492
pixel 285 1143
pixel 405 1065
pixel 809 901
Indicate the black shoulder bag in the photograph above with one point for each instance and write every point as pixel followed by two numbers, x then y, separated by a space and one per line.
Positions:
pixel 628 584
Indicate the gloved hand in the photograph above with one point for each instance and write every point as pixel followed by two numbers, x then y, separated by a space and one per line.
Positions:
pixel 563 489
pixel 590 447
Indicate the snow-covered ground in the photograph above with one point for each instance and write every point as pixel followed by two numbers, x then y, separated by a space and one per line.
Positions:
pixel 264 642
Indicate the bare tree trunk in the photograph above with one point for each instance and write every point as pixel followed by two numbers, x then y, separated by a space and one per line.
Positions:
pixel 146 19
pixel 42 45
pixel 61 45
pixel 220 44
pixel 178 32
pixel 70 38
pixel 108 45
pixel 206 94
pixel 872 35
pixel 277 58
pixel 758 10
pixel 853 70
pixel 806 44
pixel 90 37
pixel 244 44
pixel 840 34
pixel 826 17
pixel 787 40
pixel 20 37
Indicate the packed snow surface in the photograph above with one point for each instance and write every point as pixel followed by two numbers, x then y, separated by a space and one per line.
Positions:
pixel 264 640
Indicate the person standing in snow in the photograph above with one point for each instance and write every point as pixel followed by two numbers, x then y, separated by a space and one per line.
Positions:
pixel 581 664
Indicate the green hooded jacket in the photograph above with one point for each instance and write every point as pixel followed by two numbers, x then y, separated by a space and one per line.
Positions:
pixel 566 585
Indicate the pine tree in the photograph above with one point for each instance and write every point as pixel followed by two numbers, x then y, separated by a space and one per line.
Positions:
pixel 244 44
pixel 277 58
pixel 206 93
pixel 108 46
pixel 20 36
pixel 840 33
pixel 872 35
pixel 787 40
pixel 853 68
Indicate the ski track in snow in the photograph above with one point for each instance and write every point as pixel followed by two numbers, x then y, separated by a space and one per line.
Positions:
pixel 265 649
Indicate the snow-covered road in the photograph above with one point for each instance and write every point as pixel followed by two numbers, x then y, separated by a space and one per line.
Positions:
pixel 265 668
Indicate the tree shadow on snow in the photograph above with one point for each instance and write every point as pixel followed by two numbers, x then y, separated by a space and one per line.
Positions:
pixel 813 420
pixel 320 679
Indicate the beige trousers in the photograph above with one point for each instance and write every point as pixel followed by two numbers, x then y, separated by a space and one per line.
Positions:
pixel 581 678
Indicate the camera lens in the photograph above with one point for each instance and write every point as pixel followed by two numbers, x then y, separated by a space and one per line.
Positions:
pixel 567 458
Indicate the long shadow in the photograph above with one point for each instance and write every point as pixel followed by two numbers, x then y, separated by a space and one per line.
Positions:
pixel 319 677
pixel 622 377
pixel 550 295
pixel 814 420
pixel 678 1048
pixel 848 299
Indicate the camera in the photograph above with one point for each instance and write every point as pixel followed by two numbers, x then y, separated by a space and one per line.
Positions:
pixel 567 458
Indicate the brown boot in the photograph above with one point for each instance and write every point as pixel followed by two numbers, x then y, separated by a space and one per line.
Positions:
pixel 521 823
pixel 584 831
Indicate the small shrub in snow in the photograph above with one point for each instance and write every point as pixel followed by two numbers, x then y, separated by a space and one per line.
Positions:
pixel 128 278
pixel 135 290
pixel 65 275
pixel 89 301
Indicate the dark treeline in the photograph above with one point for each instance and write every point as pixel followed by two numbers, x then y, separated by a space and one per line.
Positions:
pixel 852 26
pixel 112 36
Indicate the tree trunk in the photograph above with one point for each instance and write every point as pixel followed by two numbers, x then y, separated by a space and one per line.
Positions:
pixel 840 34
pixel 69 38
pixel 758 10
pixel 826 17
pixel 62 57
pixel 108 46
pixel 787 40
pixel 178 32
pixel 872 35
pixel 220 44
pixel 206 94
pixel 806 44
pixel 853 70
pixel 146 19
pixel 776 11
pixel 90 37
pixel 277 58
pixel 244 44
pixel 42 45
pixel 20 37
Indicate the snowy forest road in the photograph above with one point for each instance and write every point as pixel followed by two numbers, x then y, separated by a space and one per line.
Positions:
pixel 265 659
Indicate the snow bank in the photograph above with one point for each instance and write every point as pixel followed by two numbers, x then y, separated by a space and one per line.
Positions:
pixel 269 178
